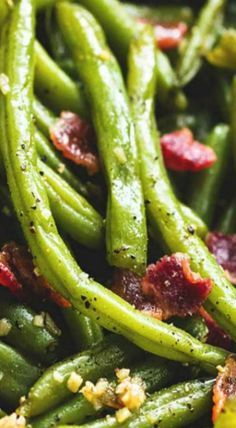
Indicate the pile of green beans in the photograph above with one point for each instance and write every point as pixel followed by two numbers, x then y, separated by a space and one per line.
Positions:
pixel 102 60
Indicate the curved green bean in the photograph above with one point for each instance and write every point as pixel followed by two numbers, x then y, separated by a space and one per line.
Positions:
pixel 156 374
pixel 206 185
pixel 49 251
pixel 99 361
pixel 174 407
pixel 163 210
pixel 54 87
pixel 126 238
pixel 203 36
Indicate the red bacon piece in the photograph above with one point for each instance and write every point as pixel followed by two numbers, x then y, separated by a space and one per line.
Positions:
pixel 182 153
pixel 19 276
pixel 225 386
pixel 74 137
pixel 216 335
pixel 128 286
pixel 168 35
pixel 224 249
pixel 174 288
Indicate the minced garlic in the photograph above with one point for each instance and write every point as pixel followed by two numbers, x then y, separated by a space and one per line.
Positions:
pixel 4 84
pixel 74 382
pixel 5 327
pixel 120 154
pixel 122 415
pixel 38 320
pixel 13 421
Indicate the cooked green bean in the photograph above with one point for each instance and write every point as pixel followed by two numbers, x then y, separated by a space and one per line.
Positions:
pixel 203 36
pixel 54 87
pixel 161 13
pixel 206 185
pixel 97 362
pixel 227 223
pixel 83 332
pixel 40 342
pixel 156 374
pixel 174 407
pixel 17 374
pixel 126 239
pixel 163 209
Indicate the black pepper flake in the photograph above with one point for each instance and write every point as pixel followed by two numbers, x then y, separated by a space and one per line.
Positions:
pixel 83 298
pixel 147 201
pixel 87 304
pixel 23 146
pixel 191 229
pixel 41 173
pixel 44 158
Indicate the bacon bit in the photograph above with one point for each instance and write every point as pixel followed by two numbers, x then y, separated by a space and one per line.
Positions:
pixel 225 386
pixel 224 249
pixel 73 136
pixel 16 268
pixel 182 153
pixel 216 335
pixel 128 286
pixel 168 36
pixel 174 288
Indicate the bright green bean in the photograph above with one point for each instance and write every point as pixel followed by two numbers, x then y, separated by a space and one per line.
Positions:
pixel 163 209
pixel 203 36
pixel 161 13
pixel 54 87
pixel 126 238
pixel 206 185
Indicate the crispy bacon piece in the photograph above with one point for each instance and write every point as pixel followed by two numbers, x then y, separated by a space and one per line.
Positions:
pixel 169 288
pixel 74 137
pixel 216 335
pixel 225 386
pixel 168 35
pixel 128 286
pixel 19 275
pixel 224 249
pixel 182 153
pixel 174 288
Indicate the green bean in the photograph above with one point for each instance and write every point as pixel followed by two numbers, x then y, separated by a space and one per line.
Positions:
pixel 43 117
pixel 52 159
pixel 203 36
pixel 71 211
pixel 83 332
pixel 163 210
pixel 233 118
pixel 194 325
pixel 50 253
pixel 227 223
pixel 2 413
pixel 161 13
pixel 6 6
pixel 40 342
pixel 99 361
pixel 54 87
pixel 125 221
pixel 193 219
pixel 173 407
pixel 156 374
pixel 206 185
pixel 17 374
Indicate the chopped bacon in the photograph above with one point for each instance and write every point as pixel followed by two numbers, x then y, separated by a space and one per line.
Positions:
pixel 168 35
pixel 182 153
pixel 128 286
pixel 174 288
pixel 19 275
pixel 169 288
pixel 224 249
pixel 74 137
pixel 225 386
pixel 216 335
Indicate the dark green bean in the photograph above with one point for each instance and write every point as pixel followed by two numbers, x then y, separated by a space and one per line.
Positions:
pixel 2 413
pixel 233 118
pixel 97 362
pixel 227 223
pixel 174 407
pixel 206 185
pixel 163 209
pixel 39 342
pixel 194 325
pixel 83 332
pixel 156 374
pixel 50 253
pixel 126 238
pixel 203 36
pixel 54 87
pixel 17 374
